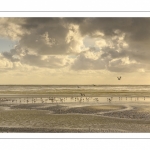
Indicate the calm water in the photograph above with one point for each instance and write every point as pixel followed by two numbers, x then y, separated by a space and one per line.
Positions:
pixel 71 98
pixel 139 88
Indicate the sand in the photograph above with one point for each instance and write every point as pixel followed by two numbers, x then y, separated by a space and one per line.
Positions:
pixel 73 116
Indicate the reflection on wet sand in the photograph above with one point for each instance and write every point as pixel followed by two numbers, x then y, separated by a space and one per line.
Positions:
pixel 74 114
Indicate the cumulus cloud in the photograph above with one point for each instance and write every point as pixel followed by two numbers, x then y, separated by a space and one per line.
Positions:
pixel 45 61
pixel 38 38
pixel 130 33
pixel 114 44
pixel 12 28
pixel 33 59
pixel 89 60
pixel 49 36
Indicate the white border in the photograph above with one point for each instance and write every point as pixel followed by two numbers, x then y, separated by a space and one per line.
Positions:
pixel 74 135
pixel 74 14
pixel 74 5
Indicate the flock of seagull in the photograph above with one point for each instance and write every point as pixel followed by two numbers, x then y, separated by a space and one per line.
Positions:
pixel 120 98
pixel 64 99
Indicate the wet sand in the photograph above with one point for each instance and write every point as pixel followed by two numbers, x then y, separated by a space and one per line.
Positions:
pixel 74 114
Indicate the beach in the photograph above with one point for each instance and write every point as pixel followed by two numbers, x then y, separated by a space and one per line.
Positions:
pixel 73 113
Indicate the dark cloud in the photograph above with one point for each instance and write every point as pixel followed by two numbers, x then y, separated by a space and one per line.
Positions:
pixel 138 28
pixel 120 66
pixel 58 36
pixel 47 36
pixel 36 60
pixel 11 56
pixel 137 32
pixel 104 62
pixel 84 63
pixel 137 36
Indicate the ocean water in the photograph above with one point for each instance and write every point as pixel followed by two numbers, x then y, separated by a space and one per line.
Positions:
pixel 117 88
pixel 121 93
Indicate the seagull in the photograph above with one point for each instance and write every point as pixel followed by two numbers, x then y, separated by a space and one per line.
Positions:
pixel 119 78
pixel 109 99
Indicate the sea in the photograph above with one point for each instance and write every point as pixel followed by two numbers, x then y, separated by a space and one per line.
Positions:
pixel 102 92
pixel 119 88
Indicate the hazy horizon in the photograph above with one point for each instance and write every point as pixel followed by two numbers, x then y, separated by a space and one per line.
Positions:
pixel 79 84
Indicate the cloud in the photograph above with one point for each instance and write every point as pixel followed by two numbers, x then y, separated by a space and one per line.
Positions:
pixel 12 28
pixel 131 34
pixel 123 65
pixel 49 36
pixel 95 43
pixel 46 36
pixel 88 60
pixel 33 59
pixel 45 61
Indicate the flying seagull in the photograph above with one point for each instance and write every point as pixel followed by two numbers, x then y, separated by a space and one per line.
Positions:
pixel 119 78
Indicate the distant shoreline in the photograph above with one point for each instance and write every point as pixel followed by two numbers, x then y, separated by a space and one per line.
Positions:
pixel 77 94
pixel 74 85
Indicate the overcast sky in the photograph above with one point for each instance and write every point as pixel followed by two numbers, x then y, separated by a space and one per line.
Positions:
pixel 74 50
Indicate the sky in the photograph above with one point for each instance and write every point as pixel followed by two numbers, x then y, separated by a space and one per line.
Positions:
pixel 75 50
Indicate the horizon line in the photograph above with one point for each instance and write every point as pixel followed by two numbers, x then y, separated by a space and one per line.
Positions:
pixel 80 84
pixel 70 11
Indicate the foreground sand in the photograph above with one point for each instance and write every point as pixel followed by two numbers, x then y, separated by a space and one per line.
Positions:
pixel 123 115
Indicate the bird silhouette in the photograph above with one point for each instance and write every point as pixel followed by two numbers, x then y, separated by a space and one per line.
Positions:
pixel 82 94
pixel 119 78
pixel 109 100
